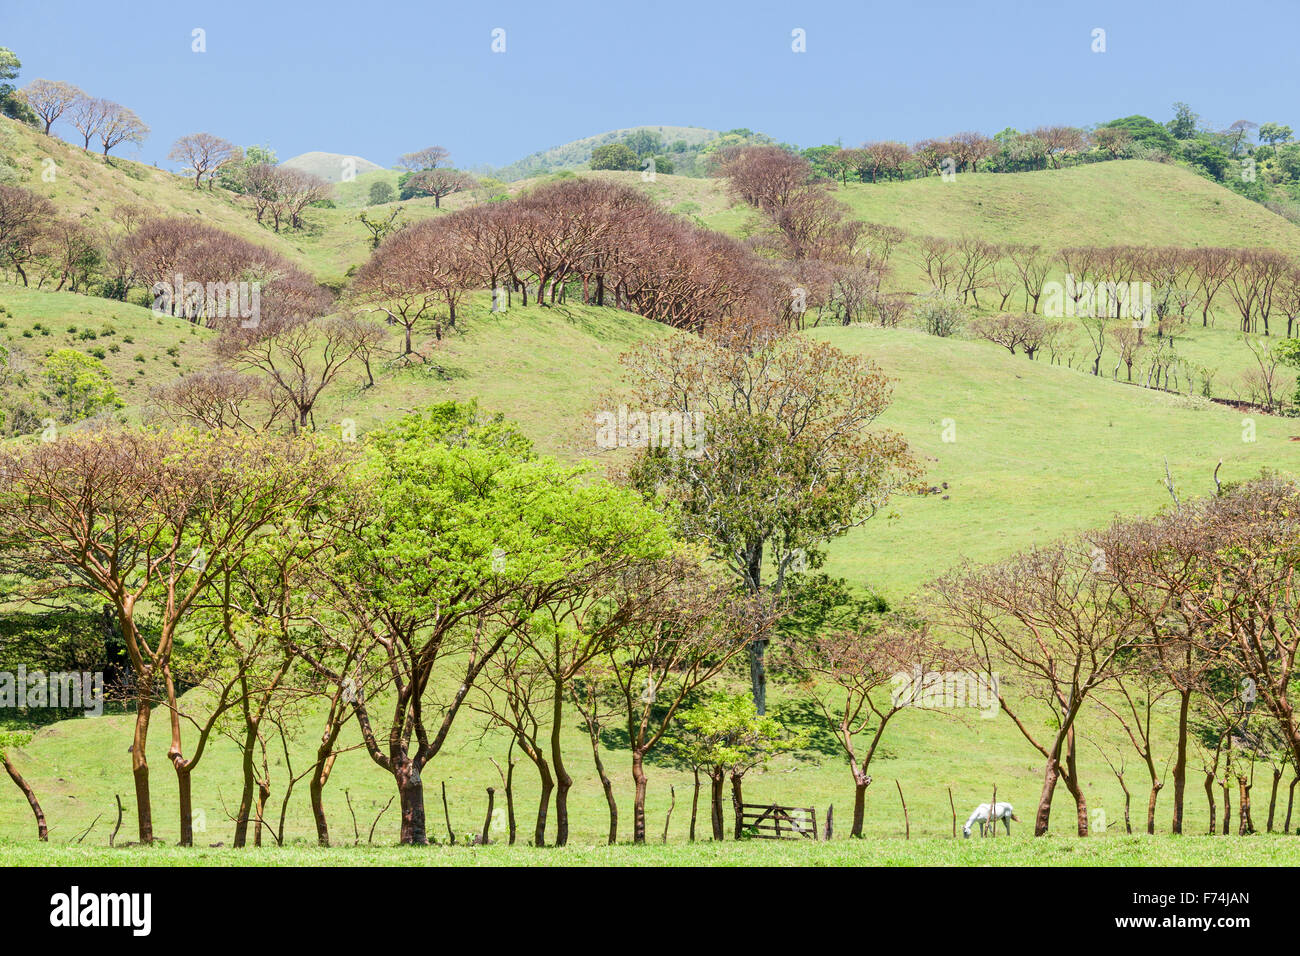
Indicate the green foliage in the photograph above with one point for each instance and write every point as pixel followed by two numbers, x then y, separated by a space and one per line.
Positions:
pixel 1183 125
pixel 1288 353
pixel 1145 131
pixel 80 383
pixel 1273 133
pixel 12 103
pixel 462 504
pixel 643 142
pixel 381 192
pixel 940 315
pixel 1205 153
pixel 726 733
pixel 232 174
pixel 614 156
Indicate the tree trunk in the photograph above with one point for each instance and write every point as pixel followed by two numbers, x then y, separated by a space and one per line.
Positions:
pixel 738 805
pixel 1209 798
pixel 715 803
pixel 543 801
pixel 1151 807
pixel 42 832
pixel 320 775
pixel 695 802
pixel 140 765
pixel 1180 764
pixel 250 782
pixel 758 674
pixel 562 779
pixel 860 784
pixel 1050 775
pixel 1245 825
pixel 638 798
pixel 185 798
pixel 510 800
pixel 1272 797
pixel 410 788
pixel 607 785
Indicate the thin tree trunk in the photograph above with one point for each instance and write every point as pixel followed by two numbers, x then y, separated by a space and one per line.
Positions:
pixel 738 805
pixel 42 832
pixel 140 765
pixel 320 776
pixel 638 798
pixel 1272 797
pixel 695 802
pixel 1180 763
pixel 907 822
pixel 562 779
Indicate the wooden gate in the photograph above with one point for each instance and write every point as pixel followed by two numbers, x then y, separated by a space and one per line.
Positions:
pixel 775 822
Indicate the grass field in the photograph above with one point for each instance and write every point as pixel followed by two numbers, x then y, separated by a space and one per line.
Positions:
pixel 1017 851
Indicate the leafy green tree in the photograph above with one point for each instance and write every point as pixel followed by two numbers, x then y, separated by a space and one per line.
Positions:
pixel 727 737
pixel 664 165
pixel 464 535
pixel 644 142
pixel 1144 131
pixel 1208 155
pixel 1183 125
pixel 381 192
pixel 788 462
pixel 1274 133
pixel 81 383
pixel 1288 353
pixel 12 103
pixel 614 156
pixel 234 175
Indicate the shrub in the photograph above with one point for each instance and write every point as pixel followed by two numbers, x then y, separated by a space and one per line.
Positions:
pixel 939 315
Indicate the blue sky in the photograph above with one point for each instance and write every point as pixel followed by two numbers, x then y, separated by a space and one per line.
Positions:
pixel 380 79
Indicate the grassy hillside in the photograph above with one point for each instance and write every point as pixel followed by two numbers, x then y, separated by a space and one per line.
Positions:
pixel 82 185
pixel 1039 450
pixel 138 348
pixel 1121 202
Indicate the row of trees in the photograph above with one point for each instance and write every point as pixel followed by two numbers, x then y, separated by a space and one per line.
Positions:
pixel 447 559
pixel 1197 605
pixel 92 117
pixel 606 243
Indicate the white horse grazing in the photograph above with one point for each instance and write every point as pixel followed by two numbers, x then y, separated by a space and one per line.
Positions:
pixel 1003 813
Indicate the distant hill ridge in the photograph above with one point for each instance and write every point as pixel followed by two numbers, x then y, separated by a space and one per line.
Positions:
pixel 576 153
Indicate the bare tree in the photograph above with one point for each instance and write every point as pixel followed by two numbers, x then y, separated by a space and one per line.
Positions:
pixel 120 125
pixel 205 154
pixel 50 99
pixel 1051 615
